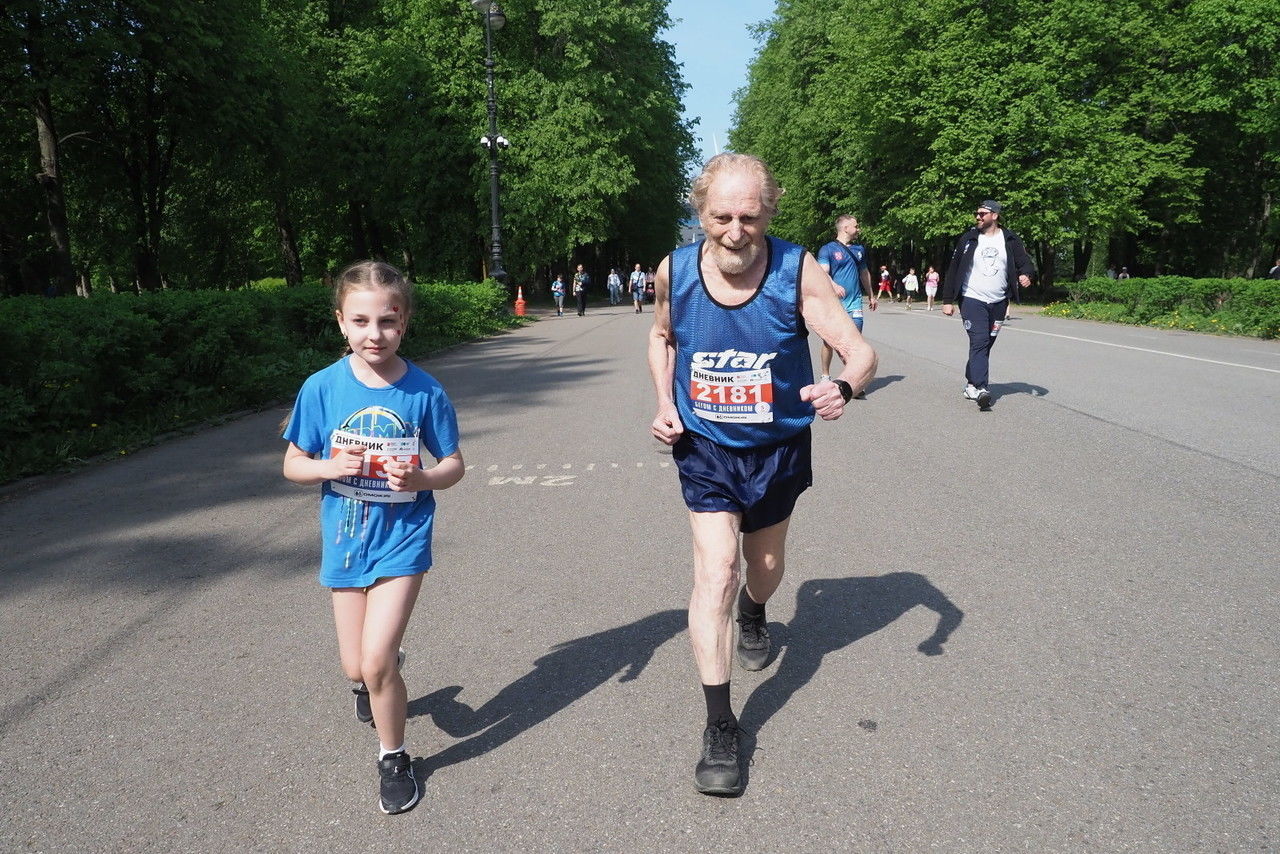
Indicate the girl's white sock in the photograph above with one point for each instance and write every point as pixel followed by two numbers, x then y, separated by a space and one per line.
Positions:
pixel 383 753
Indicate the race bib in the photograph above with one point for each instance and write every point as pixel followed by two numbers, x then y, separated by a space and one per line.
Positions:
pixel 371 484
pixel 742 397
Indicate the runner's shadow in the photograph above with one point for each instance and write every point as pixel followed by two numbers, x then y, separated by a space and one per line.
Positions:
pixel 569 672
pixel 999 390
pixel 832 613
pixel 882 382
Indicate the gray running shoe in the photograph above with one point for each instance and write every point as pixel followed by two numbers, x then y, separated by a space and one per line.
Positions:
pixel 753 642
pixel 718 772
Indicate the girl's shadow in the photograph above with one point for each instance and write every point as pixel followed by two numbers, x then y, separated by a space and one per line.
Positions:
pixel 832 613
pixel 570 671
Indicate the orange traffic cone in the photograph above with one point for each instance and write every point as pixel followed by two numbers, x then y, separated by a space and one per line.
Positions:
pixel 519 301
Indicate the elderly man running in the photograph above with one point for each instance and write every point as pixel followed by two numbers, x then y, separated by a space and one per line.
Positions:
pixel 731 367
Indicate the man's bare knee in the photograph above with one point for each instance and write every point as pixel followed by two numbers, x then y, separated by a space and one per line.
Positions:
pixel 715 586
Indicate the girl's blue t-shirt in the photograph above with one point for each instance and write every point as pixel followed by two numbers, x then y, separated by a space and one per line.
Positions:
pixel 370 532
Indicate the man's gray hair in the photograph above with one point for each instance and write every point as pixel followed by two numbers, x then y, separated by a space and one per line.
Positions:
pixel 721 164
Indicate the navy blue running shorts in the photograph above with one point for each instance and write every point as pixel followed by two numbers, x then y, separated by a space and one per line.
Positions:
pixel 760 483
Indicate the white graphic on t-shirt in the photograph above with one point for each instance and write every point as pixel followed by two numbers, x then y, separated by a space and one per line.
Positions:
pixel 989 258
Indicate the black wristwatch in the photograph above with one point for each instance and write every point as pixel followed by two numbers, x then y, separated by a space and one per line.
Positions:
pixel 846 390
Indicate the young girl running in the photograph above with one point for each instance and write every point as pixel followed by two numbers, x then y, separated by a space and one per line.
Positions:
pixel 359 429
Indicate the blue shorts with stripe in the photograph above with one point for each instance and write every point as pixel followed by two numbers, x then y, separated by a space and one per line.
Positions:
pixel 761 483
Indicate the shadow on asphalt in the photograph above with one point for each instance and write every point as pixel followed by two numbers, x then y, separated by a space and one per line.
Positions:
pixel 569 672
pixel 832 613
pixel 999 390
pixel 883 382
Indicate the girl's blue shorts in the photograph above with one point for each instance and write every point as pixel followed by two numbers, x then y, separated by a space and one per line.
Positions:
pixel 761 483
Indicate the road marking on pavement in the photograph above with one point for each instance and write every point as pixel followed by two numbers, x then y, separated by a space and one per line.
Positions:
pixel 498 474
pixel 1145 350
pixel 1008 328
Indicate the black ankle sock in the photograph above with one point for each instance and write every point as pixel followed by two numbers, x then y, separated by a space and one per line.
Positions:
pixel 747 606
pixel 718 709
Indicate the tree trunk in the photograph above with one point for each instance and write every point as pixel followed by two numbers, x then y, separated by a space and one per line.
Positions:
pixel 1080 251
pixel 406 253
pixel 1098 256
pixel 64 276
pixel 359 246
pixel 377 246
pixel 288 244
pixel 1048 265
pixel 1257 263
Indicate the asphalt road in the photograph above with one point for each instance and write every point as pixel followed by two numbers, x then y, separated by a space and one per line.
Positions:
pixel 1051 627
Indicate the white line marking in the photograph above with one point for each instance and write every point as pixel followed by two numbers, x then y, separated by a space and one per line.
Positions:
pixel 1006 327
pixel 1143 350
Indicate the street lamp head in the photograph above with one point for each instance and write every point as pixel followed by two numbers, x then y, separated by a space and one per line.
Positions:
pixel 492 10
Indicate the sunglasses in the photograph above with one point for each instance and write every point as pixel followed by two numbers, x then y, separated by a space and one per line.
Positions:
pixel 982 213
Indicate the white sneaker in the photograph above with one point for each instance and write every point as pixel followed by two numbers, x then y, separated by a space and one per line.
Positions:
pixel 970 392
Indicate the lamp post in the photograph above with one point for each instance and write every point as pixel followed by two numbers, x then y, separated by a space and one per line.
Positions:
pixel 493 20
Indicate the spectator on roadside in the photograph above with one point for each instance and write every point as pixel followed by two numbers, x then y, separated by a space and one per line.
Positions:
pixel 581 280
pixel 636 283
pixel 1123 274
pixel 911 285
pixel 614 283
pixel 1275 271
pixel 931 286
pixel 886 283
pixel 988 263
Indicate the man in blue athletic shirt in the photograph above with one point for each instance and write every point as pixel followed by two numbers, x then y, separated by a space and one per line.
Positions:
pixel 730 364
pixel 845 261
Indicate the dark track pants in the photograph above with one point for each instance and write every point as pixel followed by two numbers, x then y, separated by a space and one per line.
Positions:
pixel 980 319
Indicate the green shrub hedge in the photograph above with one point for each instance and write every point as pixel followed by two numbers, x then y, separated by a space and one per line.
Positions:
pixel 1230 306
pixel 83 377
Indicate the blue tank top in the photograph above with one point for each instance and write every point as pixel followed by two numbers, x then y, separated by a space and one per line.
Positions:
pixel 739 369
